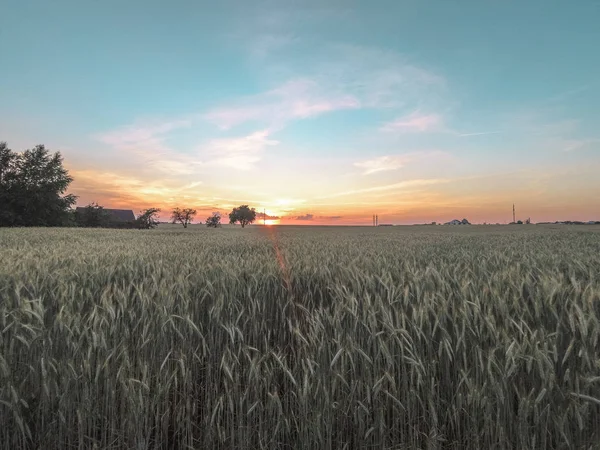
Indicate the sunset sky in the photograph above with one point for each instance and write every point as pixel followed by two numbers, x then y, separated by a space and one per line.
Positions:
pixel 320 112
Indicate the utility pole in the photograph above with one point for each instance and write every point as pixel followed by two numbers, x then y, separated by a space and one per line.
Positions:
pixel 376 220
pixel 514 221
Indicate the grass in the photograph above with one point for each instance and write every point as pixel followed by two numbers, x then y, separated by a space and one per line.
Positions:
pixel 300 338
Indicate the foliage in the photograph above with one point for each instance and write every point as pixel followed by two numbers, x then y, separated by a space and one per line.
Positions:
pixel 147 219
pixel 242 214
pixel 304 338
pixel 32 188
pixel 214 220
pixel 92 216
pixel 183 216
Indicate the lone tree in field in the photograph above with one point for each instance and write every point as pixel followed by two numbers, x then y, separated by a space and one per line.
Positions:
pixel 214 220
pixel 147 219
pixel 242 214
pixel 183 216
pixel 32 188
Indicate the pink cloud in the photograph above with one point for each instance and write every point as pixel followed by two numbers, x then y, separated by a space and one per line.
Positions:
pixel 414 123
pixel 295 99
pixel 240 153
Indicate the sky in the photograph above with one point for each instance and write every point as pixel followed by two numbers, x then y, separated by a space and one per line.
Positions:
pixel 317 112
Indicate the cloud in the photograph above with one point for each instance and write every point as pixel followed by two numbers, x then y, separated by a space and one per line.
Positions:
pixel 389 187
pixel 146 137
pixel 261 216
pixel 305 217
pixel 482 133
pixel 378 78
pixel 311 217
pixel 414 123
pixel 394 162
pixel 147 140
pixel 381 164
pixel 240 153
pixel 295 99
pixel 265 44
pixel 113 189
pixel 334 78
pixel 579 144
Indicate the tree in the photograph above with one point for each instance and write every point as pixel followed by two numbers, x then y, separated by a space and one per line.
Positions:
pixel 147 219
pixel 214 220
pixel 183 216
pixel 32 188
pixel 242 214
pixel 92 216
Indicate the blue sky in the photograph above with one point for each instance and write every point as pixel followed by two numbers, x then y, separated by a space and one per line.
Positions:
pixel 415 110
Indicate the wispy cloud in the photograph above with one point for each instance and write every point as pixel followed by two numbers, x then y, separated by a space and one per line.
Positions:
pixel 394 162
pixel 147 140
pixel 580 144
pixel 482 133
pixel 305 217
pixel 265 44
pixel 311 217
pixel 239 153
pixel 379 78
pixel 336 77
pixel 263 216
pixel 390 187
pixel 111 188
pixel 295 99
pixel 415 122
pixel 142 137
pixel 382 163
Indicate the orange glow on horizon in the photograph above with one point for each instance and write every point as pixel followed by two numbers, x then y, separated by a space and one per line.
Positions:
pixel 419 201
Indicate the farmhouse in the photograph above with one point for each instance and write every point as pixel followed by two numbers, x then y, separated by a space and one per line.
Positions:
pixel 116 215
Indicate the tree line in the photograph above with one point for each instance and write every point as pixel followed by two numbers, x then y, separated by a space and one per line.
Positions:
pixel 33 192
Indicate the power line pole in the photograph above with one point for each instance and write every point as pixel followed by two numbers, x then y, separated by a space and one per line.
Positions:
pixel 514 221
pixel 376 220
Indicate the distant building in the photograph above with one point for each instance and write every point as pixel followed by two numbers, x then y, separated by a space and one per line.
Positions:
pixel 458 222
pixel 454 222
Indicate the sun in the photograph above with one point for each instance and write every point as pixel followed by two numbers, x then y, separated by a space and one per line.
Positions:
pixel 271 222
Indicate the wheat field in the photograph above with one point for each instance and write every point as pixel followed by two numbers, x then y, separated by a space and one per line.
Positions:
pixel 300 338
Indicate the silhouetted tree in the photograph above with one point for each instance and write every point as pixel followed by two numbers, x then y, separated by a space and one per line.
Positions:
pixel 214 220
pixel 147 219
pixel 242 214
pixel 92 216
pixel 183 216
pixel 32 188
